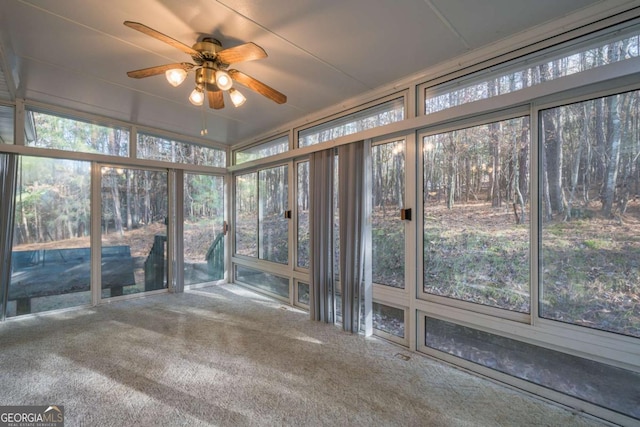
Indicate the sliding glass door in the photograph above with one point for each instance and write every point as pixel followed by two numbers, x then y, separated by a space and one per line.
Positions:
pixel 388 232
pixel 203 228
pixel 134 212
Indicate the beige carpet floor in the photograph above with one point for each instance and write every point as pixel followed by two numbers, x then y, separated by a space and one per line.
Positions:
pixel 226 356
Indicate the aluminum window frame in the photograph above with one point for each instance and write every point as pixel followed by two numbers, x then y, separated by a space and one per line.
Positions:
pixel 262 143
pixel 350 112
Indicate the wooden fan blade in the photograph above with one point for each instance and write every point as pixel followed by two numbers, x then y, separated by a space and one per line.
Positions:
pixel 216 100
pixel 162 37
pixel 258 86
pixel 159 69
pixel 244 52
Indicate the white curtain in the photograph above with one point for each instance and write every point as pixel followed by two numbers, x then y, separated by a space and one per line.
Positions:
pixel 322 292
pixel 354 176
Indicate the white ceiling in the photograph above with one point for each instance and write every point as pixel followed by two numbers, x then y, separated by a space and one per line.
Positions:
pixel 75 53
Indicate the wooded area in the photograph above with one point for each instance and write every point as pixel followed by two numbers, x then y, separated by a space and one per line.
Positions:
pixel 477 248
pixel 53 202
pixel 476 215
pixel 261 230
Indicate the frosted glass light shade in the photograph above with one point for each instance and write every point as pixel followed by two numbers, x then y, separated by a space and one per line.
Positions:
pixel 236 97
pixel 223 80
pixel 175 76
pixel 197 97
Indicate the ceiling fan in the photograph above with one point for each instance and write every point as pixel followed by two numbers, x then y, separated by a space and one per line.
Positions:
pixel 212 76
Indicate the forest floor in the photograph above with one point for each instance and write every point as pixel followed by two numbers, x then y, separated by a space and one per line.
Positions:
pixel 591 270
pixel 589 265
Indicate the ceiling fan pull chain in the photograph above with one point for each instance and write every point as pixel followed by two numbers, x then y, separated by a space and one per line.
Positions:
pixel 204 130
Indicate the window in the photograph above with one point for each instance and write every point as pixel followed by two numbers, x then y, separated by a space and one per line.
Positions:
pixel 134 230
pixel 476 232
pixel 387 227
pixel 267 282
pixel 63 133
pixel 6 125
pixel 273 202
pixel 246 215
pixel 303 293
pixel 51 256
pixel 589 247
pixel 262 198
pixel 564 61
pixel 271 148
pixel 203 234
pixel 388 319
pixel 379 115
pixel 591 381
pixel 167 150
pixel 303 215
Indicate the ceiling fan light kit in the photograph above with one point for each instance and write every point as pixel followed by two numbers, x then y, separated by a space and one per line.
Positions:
pixel 212 76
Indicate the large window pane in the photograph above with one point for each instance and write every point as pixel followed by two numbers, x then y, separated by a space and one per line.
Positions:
pixel 303 215
pixel 476 221
pixel 522 73
pixel 387 227
pixel 134 231
pixel 62 133
pixel 590 215
pixel 271 148
pixel 246 215
pixel 262 198
pixel 604 385
pixel 203 234
pixel 273 237
pixel 50 258
pixel 158 148
pixel 378 115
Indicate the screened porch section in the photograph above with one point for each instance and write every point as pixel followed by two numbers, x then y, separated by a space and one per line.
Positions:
pixel 487 217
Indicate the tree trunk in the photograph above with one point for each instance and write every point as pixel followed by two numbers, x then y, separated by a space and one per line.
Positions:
pixel 128 198
pixel 523 161
pixel 399 177
pixel 553 156
pixel 115 195
pixel 613 142
pixel 547 212
pixel 496 172
pixel 614 132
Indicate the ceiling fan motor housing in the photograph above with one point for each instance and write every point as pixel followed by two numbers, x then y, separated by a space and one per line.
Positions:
pixel 208 49
pixel 206 75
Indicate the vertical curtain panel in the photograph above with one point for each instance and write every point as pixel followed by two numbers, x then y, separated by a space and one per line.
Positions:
pixel 8 175
pixel 354 204
pixel 354 176
pixel 322 292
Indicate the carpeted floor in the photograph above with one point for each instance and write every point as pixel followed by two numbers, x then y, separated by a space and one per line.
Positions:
pixel 226 356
